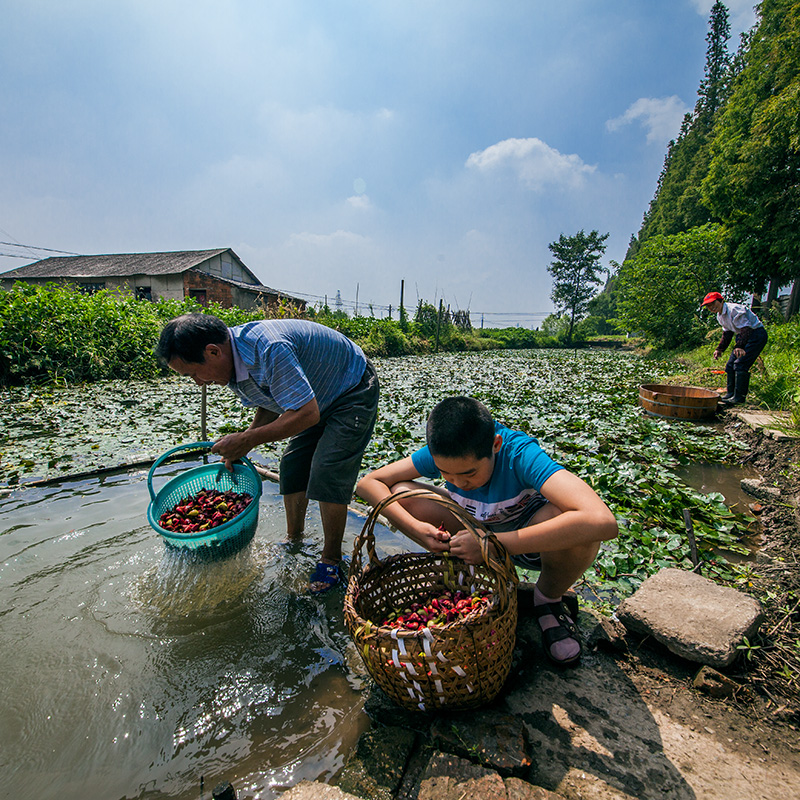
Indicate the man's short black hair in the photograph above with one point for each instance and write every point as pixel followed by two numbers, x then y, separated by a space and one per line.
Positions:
pixel 459 427
pixel 186 337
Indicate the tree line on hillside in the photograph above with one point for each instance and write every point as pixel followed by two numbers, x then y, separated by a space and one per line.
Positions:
pixel 726 211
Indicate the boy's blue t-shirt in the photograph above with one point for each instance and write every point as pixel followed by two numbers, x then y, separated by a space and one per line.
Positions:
pixel 521 468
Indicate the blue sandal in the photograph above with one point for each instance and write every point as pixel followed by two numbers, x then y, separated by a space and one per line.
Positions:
pixel 327 574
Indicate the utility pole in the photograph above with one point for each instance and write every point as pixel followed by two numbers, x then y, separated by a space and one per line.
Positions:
pixel 402 310
pixel 356 299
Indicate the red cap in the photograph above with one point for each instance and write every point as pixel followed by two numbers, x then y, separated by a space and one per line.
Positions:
pixel 711 297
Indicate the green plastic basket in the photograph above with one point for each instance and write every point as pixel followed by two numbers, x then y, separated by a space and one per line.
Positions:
pixel 216 542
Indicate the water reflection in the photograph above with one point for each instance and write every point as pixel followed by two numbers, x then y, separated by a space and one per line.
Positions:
pixel 131 670
pixel 727 480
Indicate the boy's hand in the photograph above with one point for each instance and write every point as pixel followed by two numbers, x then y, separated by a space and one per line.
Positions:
pixel 464 545
pixel 432 538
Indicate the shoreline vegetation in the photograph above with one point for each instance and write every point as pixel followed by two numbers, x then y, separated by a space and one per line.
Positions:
pixel 56 335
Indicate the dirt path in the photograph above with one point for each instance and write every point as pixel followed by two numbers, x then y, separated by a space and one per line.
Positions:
pixel 627 727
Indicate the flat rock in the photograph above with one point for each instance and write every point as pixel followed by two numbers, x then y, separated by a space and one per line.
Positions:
pixel 376 767
pixel 757 488
pixel 771 422
pixel 692 616
pixel 315 790
pixel 497 741
pixel 449 777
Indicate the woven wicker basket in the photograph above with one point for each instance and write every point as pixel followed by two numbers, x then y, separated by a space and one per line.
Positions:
pixel 462 664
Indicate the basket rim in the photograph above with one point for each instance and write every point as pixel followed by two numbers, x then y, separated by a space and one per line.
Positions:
pixel 225 528
pixel 498 606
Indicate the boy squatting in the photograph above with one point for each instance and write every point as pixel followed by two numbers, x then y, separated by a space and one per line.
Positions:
pixel 535 507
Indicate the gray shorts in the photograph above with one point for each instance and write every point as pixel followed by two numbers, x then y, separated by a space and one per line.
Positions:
pixel 324 461
pixel 523 560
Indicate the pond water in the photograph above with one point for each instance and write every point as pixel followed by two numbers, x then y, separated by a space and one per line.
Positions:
pixel 130 671
pixel 720 478
pixel 727 480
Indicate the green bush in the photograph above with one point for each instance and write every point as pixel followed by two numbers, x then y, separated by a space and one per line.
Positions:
pixel 56 333
pixel 386 339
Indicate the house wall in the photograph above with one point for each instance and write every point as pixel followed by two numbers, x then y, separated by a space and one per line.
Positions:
pixel 225 294
pixel 225 266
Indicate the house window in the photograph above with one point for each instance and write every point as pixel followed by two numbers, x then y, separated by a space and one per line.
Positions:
pixel 91 288
pixel 199 295
pixel 143 293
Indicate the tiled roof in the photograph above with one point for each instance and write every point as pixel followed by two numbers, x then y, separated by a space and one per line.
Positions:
pixel 115 265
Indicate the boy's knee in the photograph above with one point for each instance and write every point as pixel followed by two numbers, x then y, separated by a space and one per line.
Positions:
pixel 402 486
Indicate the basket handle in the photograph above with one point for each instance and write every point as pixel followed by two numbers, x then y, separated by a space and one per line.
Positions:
pixel 192 446
pixel 484 536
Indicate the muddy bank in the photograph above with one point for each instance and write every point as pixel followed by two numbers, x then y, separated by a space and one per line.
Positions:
pixel 773 669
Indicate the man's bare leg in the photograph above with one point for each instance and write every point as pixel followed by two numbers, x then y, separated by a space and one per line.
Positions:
pixel 334 520
pixel 295 506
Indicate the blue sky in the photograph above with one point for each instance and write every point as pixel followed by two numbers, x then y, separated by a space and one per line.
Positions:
pixel 345 146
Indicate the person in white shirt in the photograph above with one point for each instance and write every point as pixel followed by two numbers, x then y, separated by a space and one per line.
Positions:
pixel 751 336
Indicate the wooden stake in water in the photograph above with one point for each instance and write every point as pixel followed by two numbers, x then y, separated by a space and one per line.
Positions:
pixel 203 433
pixel 687 521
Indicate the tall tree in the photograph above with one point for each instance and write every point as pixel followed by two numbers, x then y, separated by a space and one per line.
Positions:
pixel 576 272
pixel 752 184
pixel 713 87
pixel 678 204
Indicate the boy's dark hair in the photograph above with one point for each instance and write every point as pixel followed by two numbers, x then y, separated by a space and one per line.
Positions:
pixel 459 427
pixel 186 337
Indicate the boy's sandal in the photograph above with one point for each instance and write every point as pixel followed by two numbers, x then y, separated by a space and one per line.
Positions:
pixel 324 578
pixel 570 600
pixel 566 628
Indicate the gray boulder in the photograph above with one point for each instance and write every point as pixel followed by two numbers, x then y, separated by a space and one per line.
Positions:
pixel 692 616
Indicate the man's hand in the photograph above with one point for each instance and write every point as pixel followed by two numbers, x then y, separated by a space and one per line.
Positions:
pixel 717 354
pixel 738 352
pixel 232 447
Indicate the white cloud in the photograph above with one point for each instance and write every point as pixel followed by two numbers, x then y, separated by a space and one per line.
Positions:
pixel 661 117
pixel 535 163
pixel 335 239
pixel 360 202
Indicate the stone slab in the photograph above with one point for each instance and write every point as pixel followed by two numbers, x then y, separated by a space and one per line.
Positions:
pixel 496 741
pixel 316 790
pixel 376 767
pixel 692 616
pixel 772 423
pixel 448 777
pixel 756 487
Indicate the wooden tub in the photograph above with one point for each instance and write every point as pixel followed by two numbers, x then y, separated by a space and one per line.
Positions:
pixel 678 402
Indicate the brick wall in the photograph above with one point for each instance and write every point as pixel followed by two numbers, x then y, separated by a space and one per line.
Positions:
pixel 216 291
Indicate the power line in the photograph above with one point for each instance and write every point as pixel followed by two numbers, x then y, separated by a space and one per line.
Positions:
pixel 34 247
